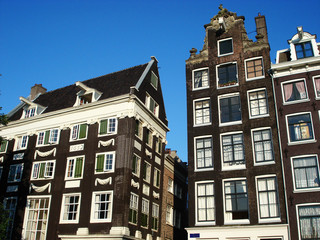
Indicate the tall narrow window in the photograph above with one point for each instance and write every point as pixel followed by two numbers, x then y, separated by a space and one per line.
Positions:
pixel 268 199
pixel 227 75
pixel 294 91
pixel 263 147
pixel 15 173
pixel 233 150
pixel 204 153
pixel 205 202
pixel 145 213
pixel 154 80
pixel 155 217
pixel 3 146
pixel 105 162
pixel 306 172
pixel 230 109
pixel 170 185
pixel 309 219
pixel 316 82
pixel 37 214
pixel 169 215
pixel 9 205
pixel 138 129
pixel 74 168
pixel 146 172
pixel 149 137
pixel 300 127
pixel 200 79
pixel 258 103
pixel 202 112
pixel 133 211
pixel 136 165
pixel 156 178
pixel 152 105
pixel 101 208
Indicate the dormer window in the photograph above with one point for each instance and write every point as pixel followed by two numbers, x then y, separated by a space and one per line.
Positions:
pixel 152 105
pixel 31 109
pixel 304 50
pixel 86 95
pixel 29 112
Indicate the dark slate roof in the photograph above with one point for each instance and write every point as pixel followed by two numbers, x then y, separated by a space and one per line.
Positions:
pixel 111 85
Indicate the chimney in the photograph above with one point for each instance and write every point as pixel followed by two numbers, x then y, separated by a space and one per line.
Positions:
pixel 36 90
pixel 261 27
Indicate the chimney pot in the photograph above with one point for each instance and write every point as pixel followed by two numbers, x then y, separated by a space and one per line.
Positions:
pixel 36 90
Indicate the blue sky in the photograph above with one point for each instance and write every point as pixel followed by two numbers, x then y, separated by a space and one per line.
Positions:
pixel 59 42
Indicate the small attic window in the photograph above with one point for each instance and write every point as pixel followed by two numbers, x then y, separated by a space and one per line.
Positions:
pixel 304 50
pixel 31 109
pixel 225 47
pixel 86 95
pixel 29 112
pixel 154 80
pixel 85 99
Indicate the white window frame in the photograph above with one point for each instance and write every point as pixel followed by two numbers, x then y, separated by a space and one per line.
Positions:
pixel 108 126
pixel 169 215
pixel 93 219
pixel 157 80
pixel 155 108
pixel 234 166
pixel 147 177
pixel 50 141
pixel 193 79
pixel 38 209
pixel 138 165
pixel 155 215
pixel 35 176
pixel 30 112
pixel 63 208
pixel 149 136
pixel 196 169
pixel 134 206
pixel 6 145
pixel 298 216
pixel 19 142
pixel 194 112
pixel 288 131
pixel 204 223
pixel 145 207
pixel 159 145
pixel 218 44
pixel 78 126
pixel 310 189
pixel 170 185
pixel 156 171
pixel 249 103
pixel 11 212
pixel 292 82
pixel 270 219
pixel 105 170
pixel 217 75
pixel 74 168
pixel 140 129
pixel 15 179
pixel 219 109
pixel 315 88
pixel 246 72
pixel 253 146
pixel 236 221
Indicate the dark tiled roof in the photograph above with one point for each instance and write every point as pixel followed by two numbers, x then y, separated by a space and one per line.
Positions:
pixel 111 85
pixel 284 56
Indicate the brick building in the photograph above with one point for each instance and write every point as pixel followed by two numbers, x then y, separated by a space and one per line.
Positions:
pixel 235 171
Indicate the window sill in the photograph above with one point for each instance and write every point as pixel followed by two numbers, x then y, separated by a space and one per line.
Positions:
pixel 234 222
pixel 226 54
pixel 208 223
pixel 270 220
pixel 264 163
pixel 302 142
pixel 200 88
pixel 107 134
pixel 202 125
pixel 317 189
pixel 255 78
pixel 100 221
pixel 230 123
pixel 296 101
pixel 228 86
pixel 259 116
pixel 232 168
pixel 203 169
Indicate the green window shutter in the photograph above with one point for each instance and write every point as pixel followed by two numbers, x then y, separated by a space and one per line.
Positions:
pixel 100 161
pixel 83 131
pixel 103 126
pixel 78 171
pixel 41 171
pixel 3 145
pixel 46 137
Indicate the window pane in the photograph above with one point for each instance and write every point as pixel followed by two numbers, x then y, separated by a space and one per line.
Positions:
pixel 230 109
pixel 225 46
pixel 227 75
pixel 300 127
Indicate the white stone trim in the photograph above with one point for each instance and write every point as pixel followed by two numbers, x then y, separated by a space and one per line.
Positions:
pixel 45 154
pixel 40 189
pixel 103 181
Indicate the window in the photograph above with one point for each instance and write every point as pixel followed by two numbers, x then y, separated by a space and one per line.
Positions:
pixel 202 112
pixel 105 162
pixel 155 217
pixel 300 127
pixel 170 185
pixel 169 215
pixel 79 131
pixel 309 219
pixel 9 205
pixel 133 212
pixel 144 213
pixel 101 206
pixel 70 208
pixel 227 75
pixel 74 168
pixel 3 146
pixel 138 129
pixel 177 190
pixel 268 200
pixel 146 172
pixel 200 78
pixel 149 137
pixel 230 109
pixel 36 218
pixel 108 126
pixel 152 105
pixel 316 83
pixel 21 143
pixel 1 170
pixel 30 112
pixel 43 170
pixel 48 137
pixel 136 165
pixel 233 150
pixel 204 153
pixel 306 172
pixel 258 103
pixel 154 80
pixel 294 91
pixel 205 202
pixel 254 68
pixel 304 50
pixel 225 47
pixel 15 173
pixel 159 145
pixel 156 178
pixel 236 200
pixel 262 145
pixel 176 218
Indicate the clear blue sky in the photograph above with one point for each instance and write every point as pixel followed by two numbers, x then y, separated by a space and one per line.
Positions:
pixel 59 42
